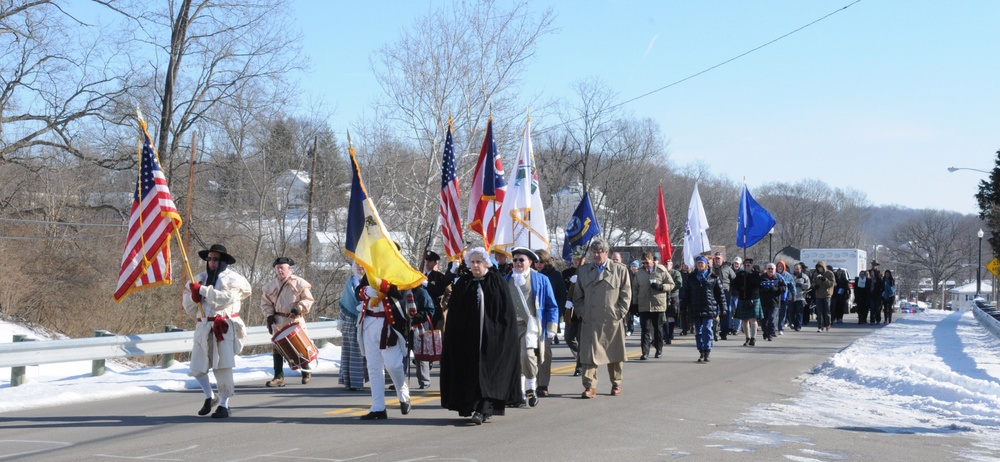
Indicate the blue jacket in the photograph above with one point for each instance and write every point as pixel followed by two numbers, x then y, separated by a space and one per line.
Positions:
pixel 548 311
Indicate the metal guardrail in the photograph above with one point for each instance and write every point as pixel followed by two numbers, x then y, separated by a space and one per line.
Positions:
pixel 127 346
pixel 991 323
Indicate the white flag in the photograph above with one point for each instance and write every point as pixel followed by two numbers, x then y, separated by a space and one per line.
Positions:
pixel 696 235
pixel 522 218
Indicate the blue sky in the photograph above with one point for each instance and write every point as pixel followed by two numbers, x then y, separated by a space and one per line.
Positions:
pixel 883 96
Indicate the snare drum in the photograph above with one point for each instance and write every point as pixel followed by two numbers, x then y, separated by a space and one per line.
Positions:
pixel 294 345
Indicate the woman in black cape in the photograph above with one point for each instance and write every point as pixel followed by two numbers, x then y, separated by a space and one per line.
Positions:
pixel 480 368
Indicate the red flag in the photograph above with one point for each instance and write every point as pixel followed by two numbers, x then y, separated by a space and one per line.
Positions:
pixel 451 226
pixel 146 262
pixel 662 232
pixel 488 190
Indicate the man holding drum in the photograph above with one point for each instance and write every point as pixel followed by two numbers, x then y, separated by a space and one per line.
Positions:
pixel 285 300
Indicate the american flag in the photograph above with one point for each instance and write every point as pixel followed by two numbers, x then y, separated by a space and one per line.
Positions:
pixel 451 226
pixel 146 261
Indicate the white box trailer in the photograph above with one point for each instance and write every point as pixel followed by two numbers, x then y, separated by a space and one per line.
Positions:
pixel 853 260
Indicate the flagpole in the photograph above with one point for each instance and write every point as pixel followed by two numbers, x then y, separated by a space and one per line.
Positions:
pixel 187 266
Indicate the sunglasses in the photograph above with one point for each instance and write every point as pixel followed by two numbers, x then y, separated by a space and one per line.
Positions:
pixel 212 259
pixel 520 259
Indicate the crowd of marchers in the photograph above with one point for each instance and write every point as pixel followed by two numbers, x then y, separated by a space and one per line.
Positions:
pixel 500 313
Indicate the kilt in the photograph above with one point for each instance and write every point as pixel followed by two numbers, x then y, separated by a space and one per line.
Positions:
pixel 746 309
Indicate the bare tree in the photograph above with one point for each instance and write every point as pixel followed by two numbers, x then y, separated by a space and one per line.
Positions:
pixel 56 79
pixel 463 61
pixel 929 246
pixel 811 214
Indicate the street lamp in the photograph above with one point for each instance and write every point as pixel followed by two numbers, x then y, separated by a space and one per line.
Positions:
pixel 955 169
pixel 979 269
pixel 770 253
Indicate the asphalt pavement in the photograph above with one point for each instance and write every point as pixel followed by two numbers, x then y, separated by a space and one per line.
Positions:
pixel 671 408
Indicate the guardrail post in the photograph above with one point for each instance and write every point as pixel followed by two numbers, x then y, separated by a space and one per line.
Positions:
pixel 17 372
pixel 97 368
pixel 168 359
pixel 321 342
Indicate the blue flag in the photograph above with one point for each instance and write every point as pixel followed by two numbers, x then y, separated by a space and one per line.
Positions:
pixel 581 228
pixel 753 223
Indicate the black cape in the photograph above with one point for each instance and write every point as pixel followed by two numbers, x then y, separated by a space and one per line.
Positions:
pixel 470 373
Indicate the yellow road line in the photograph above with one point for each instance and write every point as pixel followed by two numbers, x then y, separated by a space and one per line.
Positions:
pixel 360 411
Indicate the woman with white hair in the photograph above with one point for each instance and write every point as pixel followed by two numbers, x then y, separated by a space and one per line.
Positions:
pixel 480 367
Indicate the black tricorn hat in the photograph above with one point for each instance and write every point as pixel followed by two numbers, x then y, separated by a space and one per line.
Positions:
pixel 221 250
pixel 432 256
pixel 526 252
pixel 281 260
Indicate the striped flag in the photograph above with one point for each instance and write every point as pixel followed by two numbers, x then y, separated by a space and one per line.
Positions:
pixel 488 190
pixel 451 226
pixel 146 261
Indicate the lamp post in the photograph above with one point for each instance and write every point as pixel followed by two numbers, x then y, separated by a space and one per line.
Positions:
pixel 955 169
pixel 979 268
pixel 770 249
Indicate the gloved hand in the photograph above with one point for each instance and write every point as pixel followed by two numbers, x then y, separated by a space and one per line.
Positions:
pixel 453 269
pixel 270 324
pixel 569 305
pixel 370 292
pixel 195 292
pixel 424 284
pixel 294 311
pixel 655 285
pixel 572 279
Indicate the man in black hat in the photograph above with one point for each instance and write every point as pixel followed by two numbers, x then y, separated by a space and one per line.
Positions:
pixel 537 316
pixel 214 298
pixel 285 300
pixel 435 284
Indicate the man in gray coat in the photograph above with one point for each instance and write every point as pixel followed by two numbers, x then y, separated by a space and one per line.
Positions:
pixel 651 285
pixel 601 300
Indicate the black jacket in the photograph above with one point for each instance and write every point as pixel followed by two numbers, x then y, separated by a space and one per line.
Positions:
pixel 702 297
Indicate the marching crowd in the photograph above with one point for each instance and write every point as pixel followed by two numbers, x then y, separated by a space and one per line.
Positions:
pixel 499 315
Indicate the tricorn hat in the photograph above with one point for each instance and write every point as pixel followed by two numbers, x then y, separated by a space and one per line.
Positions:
pixel 221 250
pixel 283 260
pixel 526 252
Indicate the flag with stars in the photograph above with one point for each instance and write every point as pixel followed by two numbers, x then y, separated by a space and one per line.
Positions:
pixel 451 225
pixel 146 261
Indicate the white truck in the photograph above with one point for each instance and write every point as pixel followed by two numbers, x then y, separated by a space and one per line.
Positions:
pixel 853 260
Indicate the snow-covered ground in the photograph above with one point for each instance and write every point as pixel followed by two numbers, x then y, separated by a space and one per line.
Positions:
pixel 933 373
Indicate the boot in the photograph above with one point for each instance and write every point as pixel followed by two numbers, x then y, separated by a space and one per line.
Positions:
pixel 751 341
pixel 706 354
pixel 701 356
pixel 306 377
pixel 275 382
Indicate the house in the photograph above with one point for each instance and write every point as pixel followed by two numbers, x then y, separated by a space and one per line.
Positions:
pixel 961 297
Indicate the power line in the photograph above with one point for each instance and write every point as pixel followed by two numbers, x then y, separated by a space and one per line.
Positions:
pixel 58 238
pixel 60 223
pixel 696 74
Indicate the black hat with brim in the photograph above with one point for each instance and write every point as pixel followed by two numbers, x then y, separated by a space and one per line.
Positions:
pixel 219 249
pixel 526 252
pixel 432 256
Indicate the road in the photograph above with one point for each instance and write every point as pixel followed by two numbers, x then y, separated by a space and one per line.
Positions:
pixel 671 408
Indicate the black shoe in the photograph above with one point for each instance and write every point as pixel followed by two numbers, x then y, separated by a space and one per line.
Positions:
pixel 404 407
pixel 220 413
pixel 375 415
pixel 555 340
pixel 747 342
pixel 701 356
pixel 532 398
pixel 752 342
pixel 576 373
pixel 658 354
pixel 642 358
pixel 706 355
pixel 477 418
pixel 209 404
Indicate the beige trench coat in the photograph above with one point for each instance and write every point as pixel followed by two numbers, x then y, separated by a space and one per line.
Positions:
pixel 602 301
